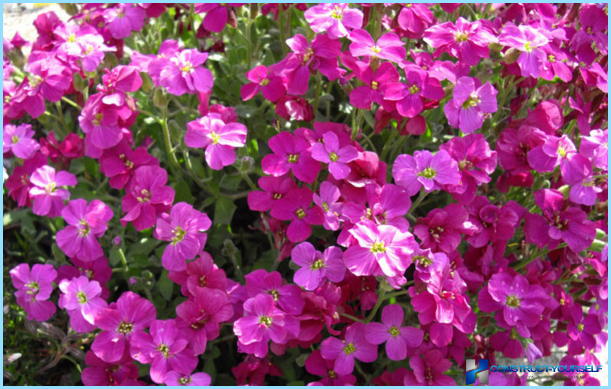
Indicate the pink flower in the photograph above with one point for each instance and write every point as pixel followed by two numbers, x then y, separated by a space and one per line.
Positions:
pixel 287 296
pixel 217 15
pixel 100 373
pixel 19 140
pixel 381 250
pixel 554 152
pixel 305 59
pixel 81 298
pixel 262 321
pixel 86 223
pixel 201 273
pixel 18 183
pixel 296 207
pixel 184 227
pixel 414 19
pixel 130 315
pixel 269 85
pixel 409 97
pixel 529 41
pixel 218 138
pixel 274 188
pixel 389 46
pixel 376 83
pixel 592 29
pixel 178 378
pixel 317 267
pixel 469 104
pixel 317 365
pixel 335 19
pixel 48 80
pixel 428 371
pixel 199 319
pixel 46 193
pixel 123 19
pixel 441 229
pixel 34 289
pixel 291 152
pixel 337 157
pixel 71 147
pixel 464 40
pixel 398 338
pixel 100 123
pixel 595 146
pixel 425 170
pixel 183 72
pixel 148 197
pixel 328 201
pixel 164 348
pixel 354 346
pixel 120 163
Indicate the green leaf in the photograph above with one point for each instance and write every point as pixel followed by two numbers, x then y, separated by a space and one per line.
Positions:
pixel 57 253
pixel 183 193
pixel 245 111
pixel 165 285
pixel 223 211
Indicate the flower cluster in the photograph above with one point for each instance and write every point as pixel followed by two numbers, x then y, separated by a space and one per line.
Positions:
pixel 432 179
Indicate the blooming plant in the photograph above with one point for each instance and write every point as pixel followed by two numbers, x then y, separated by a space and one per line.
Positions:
pixel 330 194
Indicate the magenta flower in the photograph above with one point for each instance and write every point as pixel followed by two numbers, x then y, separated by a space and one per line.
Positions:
pixel 184 73
pixel 92 51
pixel 34 289
pixel 287 296
pixel 18 183
pixel 470 102
pixel 199 319
pixel 428 371
pixel 148 197
pixel 595 146
pixel 291 152
pixel 46 191
pixel 344 352
pixel 165 348
pixel 554 65
pixel 389 46
pixel 415 18
pixel 381 250
pixel 218 138
pixel 274 188
pixel 47 80
pixel 184 227
pixel 305 59
pixel 123 19
pixel 18 139
pixel 296 207
pixel 476 163
pixel 337 157
pixel 201 273
pixel 592 29
pixel 494 224
pixel 376 82
pixel 262 321
pixel 520 302
pixel 409 97
pixel 464 40
pixel 86 223
pixel 81 298
pixel 317 365
pixel 398 338
pixel 425 170
pixel 120 163
pixel 441 229
pixel 178 378
pixel 328 201
pixel 558 224
pixel 315 267
pixel 132 314
pixel 529 41
pixel 580 177
pixel 554 152
pixel 263 81
pixel 100 373
pixel 335 19
pixel 217 15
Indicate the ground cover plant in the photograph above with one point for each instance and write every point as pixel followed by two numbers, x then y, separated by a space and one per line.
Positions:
pixel 322 194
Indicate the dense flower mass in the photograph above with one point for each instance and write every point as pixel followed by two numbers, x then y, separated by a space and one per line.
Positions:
pixel 345 194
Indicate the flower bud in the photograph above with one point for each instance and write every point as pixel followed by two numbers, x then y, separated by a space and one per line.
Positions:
pixel 246 164
pixel 78 82
pixel 565 190
pixel 229 248
pixel 511 56
pixel 147 83
pixel 494 46
pixel 254 10
pixel 159 99
pixel 116 241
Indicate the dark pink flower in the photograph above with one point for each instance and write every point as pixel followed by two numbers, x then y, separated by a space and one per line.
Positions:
pixel 291 152
pixel 288 297
pixel 123 19
pixel 315 267
pixel 529 41
pixel 34 289
pixel 86 223
pixel 409 97
pixel 336 157
pixel 183 72
pixel 441 229
pixel 100 373
pixel 470 102
pixel 397 337
pixel 269 85
pixel 18 139
pixel 81 298
pixel 296 207
pixel 344 352
pixel 335 19
pixel 201 273
pixel 148 197
pixel 178 378
pixel 120 162
pixel 376 83
pixel 18 183
pixel 328 201
pixel 274 188
pixel 317 365
pixel 425 170
pixel 71 147
pixel 414 19
pixel 217 15
pixel 428 371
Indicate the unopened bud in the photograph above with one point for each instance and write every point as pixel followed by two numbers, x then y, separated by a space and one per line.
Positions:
pixel 511 56
pixel 494 46
pixel 159 99
pixel 229 248
pixel 147 82
pixel 147 275
pixel 254 10
pixel 565 190
pixel 116 241
pixel 78 82
pixel 247 165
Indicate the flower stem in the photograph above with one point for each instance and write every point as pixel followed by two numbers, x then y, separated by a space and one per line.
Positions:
pixel 168 141
pixel 317 93
pixel 415 205
pixel 536 255
pixel 72 103
pixel 353 318
pixel 373 312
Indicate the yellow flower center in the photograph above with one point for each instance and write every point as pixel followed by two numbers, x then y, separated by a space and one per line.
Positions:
pixel 97 119
pixel 179 235
pixel 429 173
pixel 72 38
pixel 376 49
pixel 561 151
pixel 349 349
pixel 394 331
pixel 265 320
pixel 187 68
pixel 461 37
pixel 374 85
pixel 300 213
pixel 146 196
pixel 414 89
pixel 83 228
pixel 472 101
pixel 333 157
pixel 164 349
pixel 308 55
pixel 423 261
pixel 332 374
pixel 293 158
pixel 215 137
pixel 50 187
pixel 337 13
pixel 318 264
pixel 33 287
pixel 325 206
pixel 14 139
pixel 265 82
pixel 528 47
pixel 35 81
pixel 512 301
pixel 125 328
pixel 81 297
pixel 184 380
pixel 551 58
pixel 580 327
pixel 378 247
pixel 277 196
